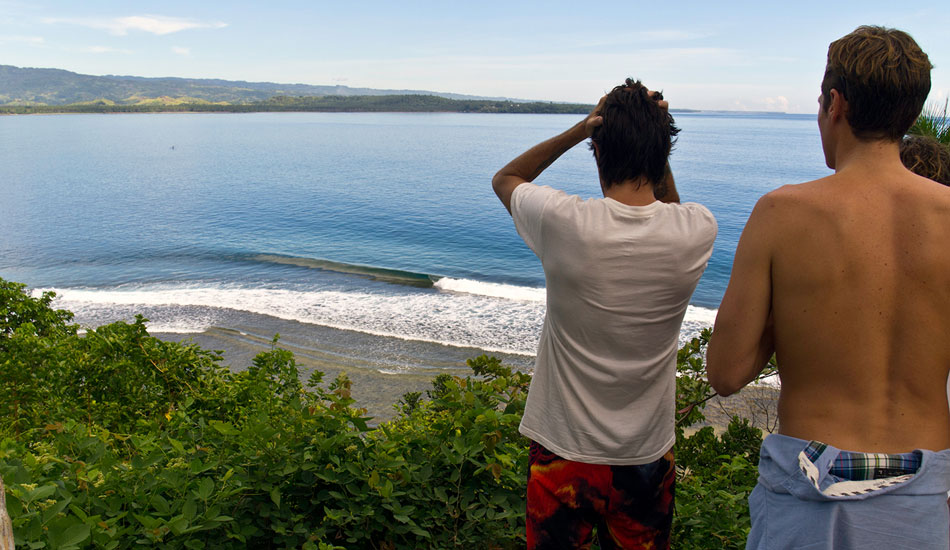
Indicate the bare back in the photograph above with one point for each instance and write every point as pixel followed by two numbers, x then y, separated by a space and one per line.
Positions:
pixel 861 308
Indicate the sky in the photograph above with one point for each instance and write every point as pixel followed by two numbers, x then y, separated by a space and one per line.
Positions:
pixel 747 56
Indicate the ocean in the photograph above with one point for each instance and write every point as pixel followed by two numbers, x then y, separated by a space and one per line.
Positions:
pixel 367 241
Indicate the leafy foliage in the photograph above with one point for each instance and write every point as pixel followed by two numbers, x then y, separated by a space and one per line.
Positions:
pixel 715 473
pixel 120 440
pixel 934 121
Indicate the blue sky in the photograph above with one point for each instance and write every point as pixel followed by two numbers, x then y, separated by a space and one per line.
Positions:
pixel 703 55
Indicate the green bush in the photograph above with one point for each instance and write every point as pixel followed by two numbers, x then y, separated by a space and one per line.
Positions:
pixel 933 121
pixel 119 440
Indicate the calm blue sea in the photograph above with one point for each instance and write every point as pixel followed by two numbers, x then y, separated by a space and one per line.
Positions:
pixel 379 224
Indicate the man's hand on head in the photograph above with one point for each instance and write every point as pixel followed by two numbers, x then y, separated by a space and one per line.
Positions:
pixel 658 96
pixel 594 119
pixel 529 165
pixel 666 191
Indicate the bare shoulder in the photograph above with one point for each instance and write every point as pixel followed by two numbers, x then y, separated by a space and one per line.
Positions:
pixel 790 201
pixel 931 190
pixel 803 193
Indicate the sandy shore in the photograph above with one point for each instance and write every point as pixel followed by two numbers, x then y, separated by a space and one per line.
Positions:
pixel 758 403
pixel 383 369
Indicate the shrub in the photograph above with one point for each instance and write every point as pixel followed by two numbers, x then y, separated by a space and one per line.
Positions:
pixel 119 440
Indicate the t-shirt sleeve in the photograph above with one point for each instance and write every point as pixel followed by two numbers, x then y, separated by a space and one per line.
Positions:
pixel 528 202
pixel 707 227
pixel 702 230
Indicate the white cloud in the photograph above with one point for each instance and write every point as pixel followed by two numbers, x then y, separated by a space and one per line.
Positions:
pixel 104 49
pixel 778 103
pixel 937 98
pixel 181 51
pixel 120 26
pixel 34 40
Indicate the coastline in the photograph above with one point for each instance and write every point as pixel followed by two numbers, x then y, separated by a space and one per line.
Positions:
pixel 381 368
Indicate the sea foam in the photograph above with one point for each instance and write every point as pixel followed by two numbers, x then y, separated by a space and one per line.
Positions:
pixel 496 290
pixel 457 312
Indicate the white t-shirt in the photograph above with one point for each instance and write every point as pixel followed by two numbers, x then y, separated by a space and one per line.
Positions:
pixel 618 279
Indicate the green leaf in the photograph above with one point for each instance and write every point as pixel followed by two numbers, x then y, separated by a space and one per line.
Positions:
pixel 415 529
pixel 205 488
pixel 177 445
pixel 75 534
pixel 80 513
pixel 178 524
pixel 41 493
pixel 55 509
pixel 224 428
pixel 189 509
pixel 160 505
pixel 275 496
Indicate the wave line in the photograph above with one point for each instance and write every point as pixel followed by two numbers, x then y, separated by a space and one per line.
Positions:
pixel 395 276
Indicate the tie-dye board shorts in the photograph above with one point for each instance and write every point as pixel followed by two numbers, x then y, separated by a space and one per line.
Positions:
pixel 630 506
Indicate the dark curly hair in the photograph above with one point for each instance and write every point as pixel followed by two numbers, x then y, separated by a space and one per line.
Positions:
pixel 927 157
pixel 635 138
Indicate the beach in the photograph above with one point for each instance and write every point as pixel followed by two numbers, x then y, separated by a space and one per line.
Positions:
pixel 381 368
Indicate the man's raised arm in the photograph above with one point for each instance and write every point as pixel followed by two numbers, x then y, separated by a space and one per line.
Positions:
pixel 667 191
pixel 529 165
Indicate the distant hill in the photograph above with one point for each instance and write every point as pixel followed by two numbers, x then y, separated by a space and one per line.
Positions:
pixel 28 86
pixel 417 103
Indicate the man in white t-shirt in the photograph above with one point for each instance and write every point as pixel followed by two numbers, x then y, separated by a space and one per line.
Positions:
pixel 619 273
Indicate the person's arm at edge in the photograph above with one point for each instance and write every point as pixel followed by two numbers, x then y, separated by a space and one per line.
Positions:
pixel 529 165
pixel 742 341
pixel 670 195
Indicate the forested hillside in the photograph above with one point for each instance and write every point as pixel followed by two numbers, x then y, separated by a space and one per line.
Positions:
pixel 28 86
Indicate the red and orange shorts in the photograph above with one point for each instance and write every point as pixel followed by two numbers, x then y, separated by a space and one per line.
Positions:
pixel 631 507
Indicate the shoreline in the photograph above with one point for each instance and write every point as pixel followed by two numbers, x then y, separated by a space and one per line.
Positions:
pixel 378 367
pixel 374 390
pixel 381 368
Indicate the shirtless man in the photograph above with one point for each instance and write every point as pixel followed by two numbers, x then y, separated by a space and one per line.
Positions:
pixel 847 280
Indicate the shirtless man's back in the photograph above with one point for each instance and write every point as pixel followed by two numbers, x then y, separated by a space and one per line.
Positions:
pixel 847 280
pixel 860 268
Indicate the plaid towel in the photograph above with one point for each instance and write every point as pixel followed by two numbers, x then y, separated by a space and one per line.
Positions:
pixel 856 466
